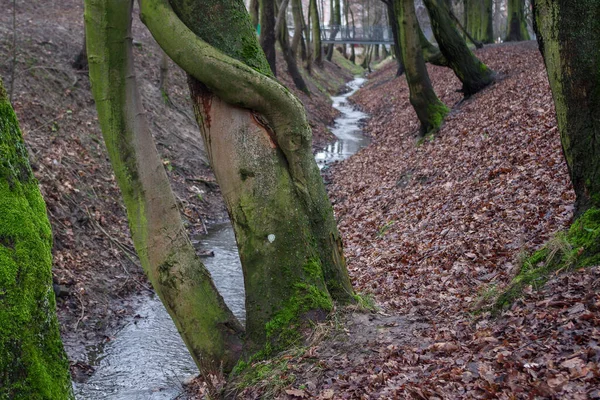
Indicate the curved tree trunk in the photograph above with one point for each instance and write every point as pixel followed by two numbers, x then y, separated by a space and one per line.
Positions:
pixel 517 24
pixel 430 110
pixel 267 32
pixel 431 53
pixel 569 37
pixel 316 33
pixel 33 364
pixel 209 329
pixel 288 55
pixel 259 142
pixel 473 74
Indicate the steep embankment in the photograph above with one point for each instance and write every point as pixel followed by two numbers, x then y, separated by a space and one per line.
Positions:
pixel 433 231
pixel 96 271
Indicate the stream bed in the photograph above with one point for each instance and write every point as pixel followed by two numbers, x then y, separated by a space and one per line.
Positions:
pixel 147 360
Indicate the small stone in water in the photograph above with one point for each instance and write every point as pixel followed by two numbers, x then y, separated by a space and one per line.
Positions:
pixel 271 238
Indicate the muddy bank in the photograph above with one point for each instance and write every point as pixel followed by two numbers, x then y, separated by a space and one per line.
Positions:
pixel 96 272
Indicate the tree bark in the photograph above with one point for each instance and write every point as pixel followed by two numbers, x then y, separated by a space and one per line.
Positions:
pixel 207 326
pixel 80 61
pixel 568 34
pixel 288 55
pixel 267 32
pixel 299 28
pixel 473 74
pixel 316 33
pixel 336 20
pixel 259 143
pixel 430 110
pixel 517 24
pixel 255 12
pixel 33 364
pixel 479 20
pixel 394 24
pixel 163 78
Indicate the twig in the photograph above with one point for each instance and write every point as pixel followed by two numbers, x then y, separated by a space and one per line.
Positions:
pixel 82 312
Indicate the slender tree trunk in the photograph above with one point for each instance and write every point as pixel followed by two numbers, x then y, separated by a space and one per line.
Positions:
pixel 352 51
pixel 259 143
pixel 517 23
pixel 163 78
pixel 267 32
pixel 316 33
pixel 395 31
pixel 431 53
pixel 299 28
pixel 33 364
pixel 209 329
pixel 255 12
pixel 473 74
pixel 81 62
pixel 336 22
pixel 568 34
pixel 288 54
pixel 430 110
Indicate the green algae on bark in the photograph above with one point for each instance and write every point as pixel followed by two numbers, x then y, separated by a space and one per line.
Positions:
pixel 33 364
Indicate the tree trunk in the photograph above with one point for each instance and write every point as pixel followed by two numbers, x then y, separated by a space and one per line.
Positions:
pixel 431 53
pixel 473 74
pixel 255 12
pixel 394 24
pixel 81 62
pixel 336 22
pixel 517 24
pixel 163 78
pixel 259 144
pixel 430 110
pixel 288 54
pixel 316 33
pixel 568 34
pixel 299 28
pixel 209 329
pixel 267 32
pixel 33 364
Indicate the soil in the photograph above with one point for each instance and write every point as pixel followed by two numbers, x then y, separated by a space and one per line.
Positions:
pixel 97 277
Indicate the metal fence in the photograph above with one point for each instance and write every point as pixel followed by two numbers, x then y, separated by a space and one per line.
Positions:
pixel 357 35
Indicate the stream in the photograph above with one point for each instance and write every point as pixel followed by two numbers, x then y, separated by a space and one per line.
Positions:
pixel 147 360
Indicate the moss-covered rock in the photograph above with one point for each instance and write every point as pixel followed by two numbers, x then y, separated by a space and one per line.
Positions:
pixel 576 248
pixel 33 364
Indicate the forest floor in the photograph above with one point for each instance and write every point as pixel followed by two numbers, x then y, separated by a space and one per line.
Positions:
pixel 97 277
pixel 433 231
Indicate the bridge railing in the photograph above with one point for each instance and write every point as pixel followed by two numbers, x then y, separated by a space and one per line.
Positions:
pixel 357 35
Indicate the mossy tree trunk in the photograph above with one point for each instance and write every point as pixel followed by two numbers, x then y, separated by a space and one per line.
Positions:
pixel 259 144
pixel 517 23
pixel 568 34
pixel 209 329
pixel 473 74
pixel 430 110
pixel 479 20
pixel 254 10
pixel 335 21
pixel 267 32
pixel 316 33
pixel 299 28
pixel 33 364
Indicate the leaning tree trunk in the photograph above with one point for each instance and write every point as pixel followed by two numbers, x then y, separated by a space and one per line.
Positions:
pixel 209 329
pixel 259 144
pixel 473 74
pixel 568 34
pixel 479 20
pixel 517 23
pixel 316 33
pixel 299 28
pixel 267 32
pixel 430 110
pixel 33 364
pixel 288 54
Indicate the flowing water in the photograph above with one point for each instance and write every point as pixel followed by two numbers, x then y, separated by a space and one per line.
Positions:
pixel 147 359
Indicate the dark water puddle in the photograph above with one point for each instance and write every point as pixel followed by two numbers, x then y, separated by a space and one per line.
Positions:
pixel 147 359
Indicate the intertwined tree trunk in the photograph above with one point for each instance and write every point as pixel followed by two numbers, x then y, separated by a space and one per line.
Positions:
pixel 259 143
pixel 33 364
pixel 209 329
pixel 473 74
pixel 568 34
pixel 430 110
pixel 517 23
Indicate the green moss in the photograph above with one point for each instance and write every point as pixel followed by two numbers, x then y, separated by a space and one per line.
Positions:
pixel 33 364
pixel 579 247
pixel 436 113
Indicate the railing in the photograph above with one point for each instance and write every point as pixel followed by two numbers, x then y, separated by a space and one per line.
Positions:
pixel 357 35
